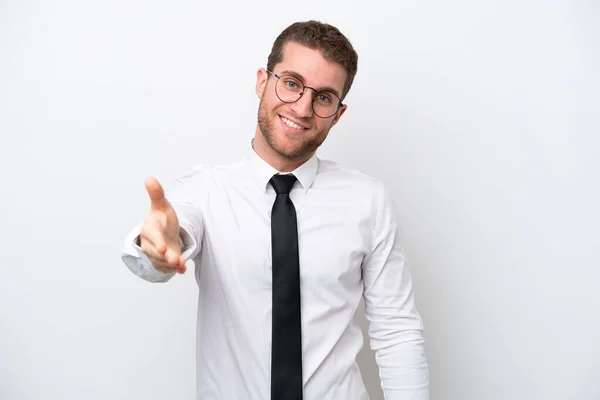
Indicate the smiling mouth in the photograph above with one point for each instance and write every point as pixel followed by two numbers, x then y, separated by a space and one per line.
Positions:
pixel 291 123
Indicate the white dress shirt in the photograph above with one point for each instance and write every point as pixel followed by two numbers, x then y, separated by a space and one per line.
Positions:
pixel 348 247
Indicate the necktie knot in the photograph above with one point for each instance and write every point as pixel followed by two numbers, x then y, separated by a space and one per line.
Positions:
pixel 283 183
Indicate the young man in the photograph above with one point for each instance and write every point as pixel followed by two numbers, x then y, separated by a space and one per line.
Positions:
pixel 285 244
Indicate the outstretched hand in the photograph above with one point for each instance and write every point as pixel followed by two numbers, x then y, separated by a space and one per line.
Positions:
pixel 159 237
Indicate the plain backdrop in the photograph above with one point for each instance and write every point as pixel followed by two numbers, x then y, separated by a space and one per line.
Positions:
pixel 480 116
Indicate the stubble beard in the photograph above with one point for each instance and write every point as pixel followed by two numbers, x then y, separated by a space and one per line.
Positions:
pixel 266 124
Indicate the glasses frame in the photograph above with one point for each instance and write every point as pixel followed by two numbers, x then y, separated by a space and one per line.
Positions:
pixel 304 87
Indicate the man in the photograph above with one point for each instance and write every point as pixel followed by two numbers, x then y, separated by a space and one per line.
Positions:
pixel 285 244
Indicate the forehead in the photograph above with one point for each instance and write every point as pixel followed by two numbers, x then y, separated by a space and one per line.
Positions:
pixel 316 70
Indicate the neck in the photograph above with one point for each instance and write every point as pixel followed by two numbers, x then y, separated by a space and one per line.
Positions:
pixel 274 159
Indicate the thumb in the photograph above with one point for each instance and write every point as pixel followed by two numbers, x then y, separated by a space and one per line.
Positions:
pixel 156 193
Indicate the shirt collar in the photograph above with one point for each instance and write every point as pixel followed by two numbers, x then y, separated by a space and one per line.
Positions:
pixel 263 172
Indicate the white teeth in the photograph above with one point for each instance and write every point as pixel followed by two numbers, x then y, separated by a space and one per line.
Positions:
pixel 290 123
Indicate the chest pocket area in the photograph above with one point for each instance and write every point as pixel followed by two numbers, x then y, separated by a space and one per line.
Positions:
pixel 331 253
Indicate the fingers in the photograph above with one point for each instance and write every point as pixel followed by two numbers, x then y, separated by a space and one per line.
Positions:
pixel 156 193
pixel 167 260
pixel 165 267
pixel 155 239
pixel 161 264
pixel 174 258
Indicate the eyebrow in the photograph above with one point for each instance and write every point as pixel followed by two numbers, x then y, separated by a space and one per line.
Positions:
pixel 300 77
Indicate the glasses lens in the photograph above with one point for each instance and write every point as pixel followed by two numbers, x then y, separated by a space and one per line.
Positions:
pixel 289 89
pixel 325 104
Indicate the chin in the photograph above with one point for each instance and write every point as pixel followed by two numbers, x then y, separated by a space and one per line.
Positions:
pixel 287 143
pixel 288 151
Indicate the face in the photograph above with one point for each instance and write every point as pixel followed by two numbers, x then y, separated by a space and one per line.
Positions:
pixel 292 131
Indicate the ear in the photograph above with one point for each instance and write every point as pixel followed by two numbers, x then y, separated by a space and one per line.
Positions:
pixel 261 82
pixel 339 114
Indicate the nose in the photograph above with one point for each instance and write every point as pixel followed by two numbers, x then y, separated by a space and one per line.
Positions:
pixel 303 107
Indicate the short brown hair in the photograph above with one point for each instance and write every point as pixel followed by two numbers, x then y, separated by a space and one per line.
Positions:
pixel 318 36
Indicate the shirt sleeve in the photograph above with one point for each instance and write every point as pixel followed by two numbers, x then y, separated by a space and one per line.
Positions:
pixel 186 204
pixel 395 326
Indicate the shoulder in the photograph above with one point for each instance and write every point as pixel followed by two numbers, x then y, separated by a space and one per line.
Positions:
pixel 211 173
pixel 358 190
pixel 332 173
pixel 200 179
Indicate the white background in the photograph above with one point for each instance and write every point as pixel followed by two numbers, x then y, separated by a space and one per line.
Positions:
pixel 481 117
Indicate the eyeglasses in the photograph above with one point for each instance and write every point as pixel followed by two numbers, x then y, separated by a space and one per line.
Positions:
pixel 290 89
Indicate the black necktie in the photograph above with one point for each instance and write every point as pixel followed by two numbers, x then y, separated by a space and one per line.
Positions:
pixel 286 352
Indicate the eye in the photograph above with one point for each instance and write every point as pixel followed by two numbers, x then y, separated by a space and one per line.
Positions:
pixel 290 84
pixel 324 98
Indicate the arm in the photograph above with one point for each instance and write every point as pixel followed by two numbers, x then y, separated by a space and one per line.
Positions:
pixel 395 326
pixel 189 220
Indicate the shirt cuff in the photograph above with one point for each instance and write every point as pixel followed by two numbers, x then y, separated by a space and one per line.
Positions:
pixel 138 262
